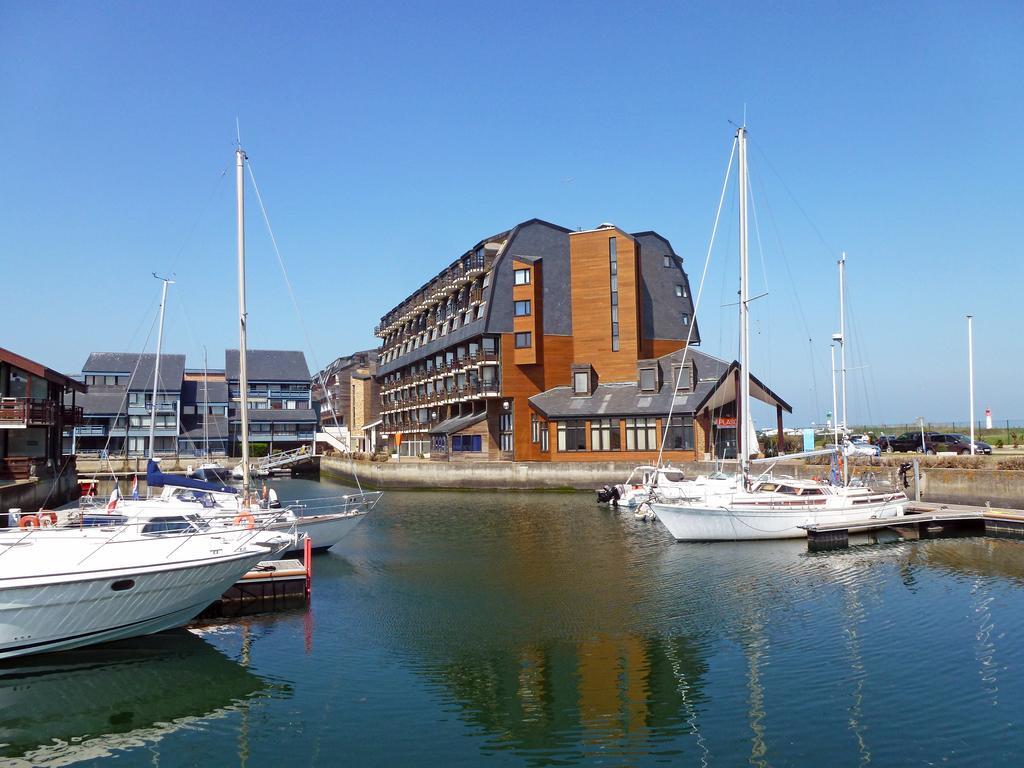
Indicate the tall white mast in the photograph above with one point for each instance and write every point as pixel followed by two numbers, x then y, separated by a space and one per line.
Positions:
pixel 970 371
pixel 206 407
pixel 835 413
pixel 742 434
pixel 243 376
pixel 156 366
pixel 842 332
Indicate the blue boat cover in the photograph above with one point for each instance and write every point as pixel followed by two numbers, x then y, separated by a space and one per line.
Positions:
pixel 156 479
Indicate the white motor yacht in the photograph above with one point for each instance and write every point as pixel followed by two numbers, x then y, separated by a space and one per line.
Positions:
pixel 64 588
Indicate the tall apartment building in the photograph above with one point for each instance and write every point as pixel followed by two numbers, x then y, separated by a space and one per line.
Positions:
pixel 545 344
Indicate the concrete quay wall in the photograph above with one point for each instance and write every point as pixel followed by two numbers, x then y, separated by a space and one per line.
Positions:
pixel 502 475
pixel 978 487
pixel 1000 488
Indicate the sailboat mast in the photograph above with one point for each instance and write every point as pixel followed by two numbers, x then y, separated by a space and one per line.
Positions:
pixel 156 366
pixel 835 413
pixel 744 393
pixel 206 407
pixel 243 375
pixel 842 333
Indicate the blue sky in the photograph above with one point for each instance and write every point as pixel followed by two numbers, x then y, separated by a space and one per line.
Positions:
pixel 388 138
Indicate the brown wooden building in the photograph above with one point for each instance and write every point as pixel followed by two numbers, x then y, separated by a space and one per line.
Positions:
pixel 33 416
pixel 545 344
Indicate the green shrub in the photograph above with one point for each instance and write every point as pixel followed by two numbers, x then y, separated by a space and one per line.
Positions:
pixel 258 450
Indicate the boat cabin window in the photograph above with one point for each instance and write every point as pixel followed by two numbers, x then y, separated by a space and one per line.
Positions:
pixel 167 525
pixel 788 489
pixel 768 487
pixel 673 477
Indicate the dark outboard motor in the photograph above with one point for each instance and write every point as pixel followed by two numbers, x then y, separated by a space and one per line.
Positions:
pixel 608 494
pixel 905 468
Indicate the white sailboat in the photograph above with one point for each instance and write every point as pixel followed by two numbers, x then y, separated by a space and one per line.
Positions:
pixel 324 521
pixel 765 507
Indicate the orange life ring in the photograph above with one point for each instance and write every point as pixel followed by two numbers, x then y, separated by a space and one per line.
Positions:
pixel 28 521
pixel 47 518
pixel 245 518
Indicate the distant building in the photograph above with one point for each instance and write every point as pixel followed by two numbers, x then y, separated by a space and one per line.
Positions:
pixel 364 411
pixel 280 399
pixel 197 411
pixel 545 344
pixel 331 387
pixel 33 416
pixel 118 405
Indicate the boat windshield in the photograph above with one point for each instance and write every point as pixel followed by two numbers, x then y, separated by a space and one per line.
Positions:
pixel 174 524
pixel 672 477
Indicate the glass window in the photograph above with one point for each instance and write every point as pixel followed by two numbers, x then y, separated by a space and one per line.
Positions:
pixel 467 443
pixel 604 435
pixel 667 260
pixel 685 382
pixel 505 430
pixel 686 318
pixel 680 434
pixel 522 277
pixel 581 383
pixel 522 308
pixel 524 340
pixel 544 437
pixel 679 290
pixel 534 429
pixel 648 379
pixel 572 435
pixel 641 434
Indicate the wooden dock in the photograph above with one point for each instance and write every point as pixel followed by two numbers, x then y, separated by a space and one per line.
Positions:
pixel 922 521
pixel 271 585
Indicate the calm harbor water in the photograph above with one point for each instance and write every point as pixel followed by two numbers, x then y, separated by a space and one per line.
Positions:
pixel 539 629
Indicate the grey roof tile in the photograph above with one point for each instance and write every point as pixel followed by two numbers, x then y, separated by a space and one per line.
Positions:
pixel 172 368
pixel 269 365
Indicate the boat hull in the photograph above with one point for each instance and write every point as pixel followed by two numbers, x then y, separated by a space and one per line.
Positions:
pixel 85 609
pixel 705 522
pixel 324 530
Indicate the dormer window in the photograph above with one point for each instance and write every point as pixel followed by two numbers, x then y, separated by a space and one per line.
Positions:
pixel 686 319
pixel 683 383
pixel 648 379
pixel 582 380
pixel 581 383
pixel 667 260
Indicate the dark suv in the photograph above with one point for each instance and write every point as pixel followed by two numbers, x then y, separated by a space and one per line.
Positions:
pixel 909 441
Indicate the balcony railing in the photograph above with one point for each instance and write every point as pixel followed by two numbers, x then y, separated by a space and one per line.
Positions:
pixel 72 415
pixel 91 430
pixel 19 412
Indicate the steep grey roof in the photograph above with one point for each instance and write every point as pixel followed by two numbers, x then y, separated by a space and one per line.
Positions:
pixel 626 399
pixel 269 365
pixel 105 401
pixel 662 310
pixel 365 358
pixel 459 423
pixel 282 415
pixel 532 241
pixel 172 368
pixel 192 393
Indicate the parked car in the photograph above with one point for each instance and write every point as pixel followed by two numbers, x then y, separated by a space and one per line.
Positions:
pixel 909 441
pixel 960 444
pixel 855 447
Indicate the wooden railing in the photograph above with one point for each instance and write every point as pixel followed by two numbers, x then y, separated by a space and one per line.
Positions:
pixel 26 412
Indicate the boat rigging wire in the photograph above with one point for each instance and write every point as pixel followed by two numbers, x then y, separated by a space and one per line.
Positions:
pixel 298 312
pixel 696 305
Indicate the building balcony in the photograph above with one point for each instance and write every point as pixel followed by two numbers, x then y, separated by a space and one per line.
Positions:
pixel 91 430
pixel 22 412
pixel 71 415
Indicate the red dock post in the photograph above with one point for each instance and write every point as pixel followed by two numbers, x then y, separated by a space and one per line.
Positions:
pixel 307 556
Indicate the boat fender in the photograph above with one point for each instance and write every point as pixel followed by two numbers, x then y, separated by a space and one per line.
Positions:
pixel 29 521
pixel 47 518
pixel 246 519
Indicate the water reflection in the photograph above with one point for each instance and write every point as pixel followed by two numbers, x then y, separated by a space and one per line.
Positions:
pixel 64 708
